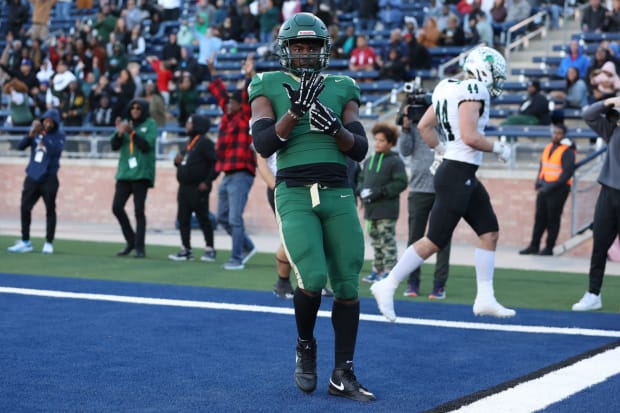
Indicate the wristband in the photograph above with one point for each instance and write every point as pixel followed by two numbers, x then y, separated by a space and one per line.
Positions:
pixel 293 115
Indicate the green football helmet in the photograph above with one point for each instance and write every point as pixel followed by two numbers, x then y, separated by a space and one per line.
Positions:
pixel 304 26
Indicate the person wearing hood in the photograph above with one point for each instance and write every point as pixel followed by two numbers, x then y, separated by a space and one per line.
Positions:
pixel 46 142
pixel 553 183
pixel 605 82
pixel 575 57
pixel 603 118
pixel 195 165
pixel 380 183
pixel 135 139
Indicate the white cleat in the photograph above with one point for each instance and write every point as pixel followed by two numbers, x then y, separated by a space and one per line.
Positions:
pixel 492 308
pixel 589 302
pixel 21 247
pixel 384 295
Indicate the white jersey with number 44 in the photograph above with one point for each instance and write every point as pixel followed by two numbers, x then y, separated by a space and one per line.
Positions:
pixel 447 96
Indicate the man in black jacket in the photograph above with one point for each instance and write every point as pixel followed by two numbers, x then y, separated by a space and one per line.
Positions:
pixel 195 172
pixel 534 110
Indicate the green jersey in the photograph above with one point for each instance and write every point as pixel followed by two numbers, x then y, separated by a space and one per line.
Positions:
pixel 133 164
pixel 306 145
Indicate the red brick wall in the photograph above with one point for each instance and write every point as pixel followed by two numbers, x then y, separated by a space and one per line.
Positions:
pixel 87 187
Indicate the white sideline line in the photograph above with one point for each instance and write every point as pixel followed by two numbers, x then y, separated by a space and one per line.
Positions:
pixel 551 388
pixel 289 311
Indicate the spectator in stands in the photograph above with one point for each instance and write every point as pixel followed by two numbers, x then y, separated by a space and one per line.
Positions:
pixel 237 160
pixel 97 51
pixel 208 47
pixel 380 183
pixel 137 44
pixel 518 10
pixel 102 114
pixel 575 58
pixel 411 28
pixel 19 108
pixel 231 30
pixel 603 118
pixel 554 8
pixel 12 54
pixel 132 15
pixel 344 44
pixel 171 9
pixel 601 56
pixel 186 97
pixel 268 17
pixel 61 80
pixel 46 141
pixel 397 43
pixel 25 74
pixel 534 110
pixel 594 17
pixel 164 76
pixel 575 94
pixel 419 56
pixel 553 182
pixel 124 89
pixel 393 68
pixel 157 105
pixel 188 63
pixel 249 25
pixel 117 60
pixel 103 87
pixel 120 35
pixel 613 17
pixel 155 23
pixel 46 71
pixel 363 57
pixel 453 35
pixel 605 82
pixel 185 35
pixel 17 16
pixel 135 139
pixel 195 165
pixel 36 54
pixel 429 34
pixel 105 23
pixel 41 10
pixel 367 15
pixel 171 52
pixel 73 105
pixel 39 98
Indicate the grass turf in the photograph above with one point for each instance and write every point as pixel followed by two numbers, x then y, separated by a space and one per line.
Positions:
pixel 98 260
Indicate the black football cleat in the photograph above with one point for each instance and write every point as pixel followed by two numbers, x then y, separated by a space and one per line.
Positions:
pixel 305 365
pixel 343 383
pixel 125 251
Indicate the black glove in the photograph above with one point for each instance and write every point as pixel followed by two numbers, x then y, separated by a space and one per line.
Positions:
pixel 310 86
pixel 324 119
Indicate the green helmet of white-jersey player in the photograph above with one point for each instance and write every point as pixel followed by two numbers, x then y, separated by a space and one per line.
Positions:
pixel 304 28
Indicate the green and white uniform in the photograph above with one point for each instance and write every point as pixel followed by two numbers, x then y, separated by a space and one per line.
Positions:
pixel 315 205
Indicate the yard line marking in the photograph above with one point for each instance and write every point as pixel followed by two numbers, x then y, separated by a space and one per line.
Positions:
pixel 515 328
pixel 537 394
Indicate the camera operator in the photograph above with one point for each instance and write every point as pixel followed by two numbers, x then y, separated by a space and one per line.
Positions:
pixel 421 188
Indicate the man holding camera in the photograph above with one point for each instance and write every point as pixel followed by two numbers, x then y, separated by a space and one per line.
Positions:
pixel 421 197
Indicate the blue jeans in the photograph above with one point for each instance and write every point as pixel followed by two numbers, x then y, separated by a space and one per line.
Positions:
pixel 63 10
pixel 232 197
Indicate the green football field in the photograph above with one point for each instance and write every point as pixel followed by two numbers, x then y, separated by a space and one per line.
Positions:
pixel 97 260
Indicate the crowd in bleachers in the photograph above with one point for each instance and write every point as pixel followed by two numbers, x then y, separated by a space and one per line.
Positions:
pixel 93 62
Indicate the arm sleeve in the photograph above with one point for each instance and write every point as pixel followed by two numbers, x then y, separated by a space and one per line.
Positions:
pixel 116 141
pixel 405 142
pixel 264 137
pixel 599 124
pixel 360 144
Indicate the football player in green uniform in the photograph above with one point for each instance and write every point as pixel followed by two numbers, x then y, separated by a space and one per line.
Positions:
pixel 311 120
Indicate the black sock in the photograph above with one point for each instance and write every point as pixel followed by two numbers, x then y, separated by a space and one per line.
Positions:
pixel 345 320
pixel 306 309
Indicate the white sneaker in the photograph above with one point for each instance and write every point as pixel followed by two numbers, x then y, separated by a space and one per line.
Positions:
pixel 589 302
pixel 493 308
pixel 48 248
pixel 384 295
pixel 21 246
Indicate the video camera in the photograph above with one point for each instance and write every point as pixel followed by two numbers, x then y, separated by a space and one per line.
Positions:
pixel 415 104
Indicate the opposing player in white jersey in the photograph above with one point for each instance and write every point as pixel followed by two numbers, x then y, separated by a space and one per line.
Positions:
pixel 461 111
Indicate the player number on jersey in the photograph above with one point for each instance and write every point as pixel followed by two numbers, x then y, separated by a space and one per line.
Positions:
pixel 441 111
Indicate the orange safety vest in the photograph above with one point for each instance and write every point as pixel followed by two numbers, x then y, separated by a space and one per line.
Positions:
pixel 551 168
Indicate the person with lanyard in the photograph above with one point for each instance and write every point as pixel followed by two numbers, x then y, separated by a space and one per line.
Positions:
pixel 135 139
pixel 553 183
pixel 195 172
pixel 311 121
pixel 604 119
pixel 46 142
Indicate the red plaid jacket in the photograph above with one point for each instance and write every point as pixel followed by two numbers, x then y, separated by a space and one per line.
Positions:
pixel 233 147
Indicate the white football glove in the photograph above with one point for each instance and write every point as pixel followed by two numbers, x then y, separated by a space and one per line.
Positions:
pixel 502 150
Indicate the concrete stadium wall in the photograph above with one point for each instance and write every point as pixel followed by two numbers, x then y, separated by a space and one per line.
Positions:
pixel 87 188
